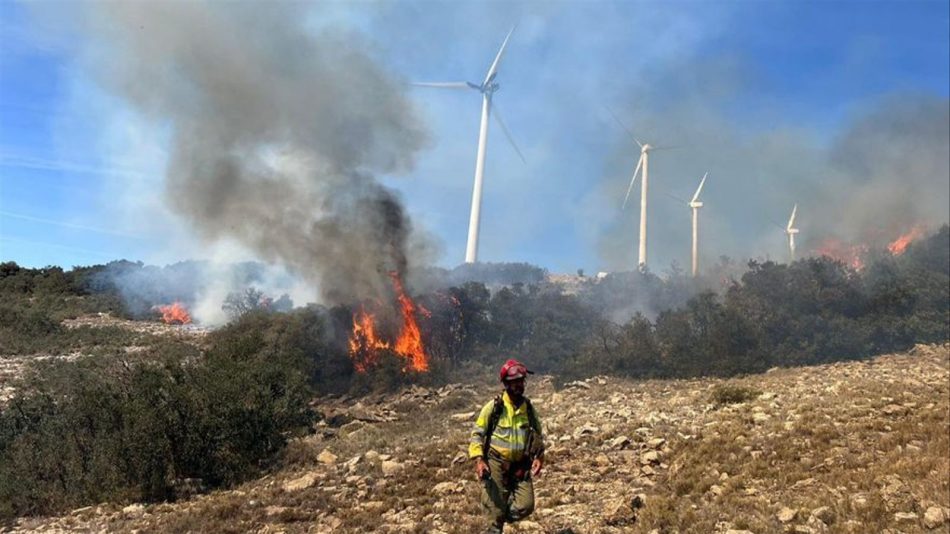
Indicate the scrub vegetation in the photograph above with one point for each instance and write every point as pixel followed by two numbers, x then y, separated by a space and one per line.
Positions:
pixel 174 416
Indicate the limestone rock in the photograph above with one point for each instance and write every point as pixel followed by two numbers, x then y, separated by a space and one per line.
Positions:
pixel 326 457
pixel 133 509
pixel 391 467
pixel 619 442
pixel 905 517
pixel 617 512
pixel 934 517
pixel 301 483
pixel 585 430
pixel 786 514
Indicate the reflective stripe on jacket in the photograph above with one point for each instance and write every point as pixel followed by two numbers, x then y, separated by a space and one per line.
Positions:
pixel 509 440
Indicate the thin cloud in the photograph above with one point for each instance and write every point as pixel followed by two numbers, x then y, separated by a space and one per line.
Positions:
pixel 30 162
pixel 46 244
pixel 62 224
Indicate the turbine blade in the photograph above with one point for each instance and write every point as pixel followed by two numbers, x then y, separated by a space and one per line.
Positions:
pixel 623 126
pixel 665 147
pixel 700 188
pixel 632 180
pixel 674 197
pixel 494 65
pixel 504 128
pixel 791 220
pixel 445 85
pixel 775 224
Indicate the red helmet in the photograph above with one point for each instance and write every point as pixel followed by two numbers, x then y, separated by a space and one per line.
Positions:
pixel 513 370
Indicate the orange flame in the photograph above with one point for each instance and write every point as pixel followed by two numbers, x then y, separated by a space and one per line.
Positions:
pixel 409 342
pixel 174 313
pixel 899 245
pixel 850 255
pixel 365 343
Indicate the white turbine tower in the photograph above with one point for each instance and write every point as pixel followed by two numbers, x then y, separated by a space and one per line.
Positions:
pixel 644 164
pixel 487 88
pixel 790 230
pixel 695 204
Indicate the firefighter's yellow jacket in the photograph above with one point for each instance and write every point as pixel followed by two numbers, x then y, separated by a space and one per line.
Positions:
pixel 509 439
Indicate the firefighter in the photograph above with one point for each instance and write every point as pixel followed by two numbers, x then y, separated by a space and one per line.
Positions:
pixel 508 450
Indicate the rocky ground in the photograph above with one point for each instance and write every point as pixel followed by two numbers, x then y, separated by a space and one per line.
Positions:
pixel 847 447
pixel 12 367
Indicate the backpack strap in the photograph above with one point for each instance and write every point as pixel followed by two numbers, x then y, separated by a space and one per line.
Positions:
pixel 532 417
pixel 496 410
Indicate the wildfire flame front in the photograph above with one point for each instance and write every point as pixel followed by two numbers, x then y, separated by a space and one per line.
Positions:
pixel 899 245
pixel 175 313
pixel 365 343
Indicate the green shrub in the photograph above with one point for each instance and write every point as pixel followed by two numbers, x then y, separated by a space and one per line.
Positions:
pixel 731 394
pixel 90 431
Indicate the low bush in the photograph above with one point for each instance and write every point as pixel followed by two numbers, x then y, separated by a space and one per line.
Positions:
pixel 90 431
pixel 732 394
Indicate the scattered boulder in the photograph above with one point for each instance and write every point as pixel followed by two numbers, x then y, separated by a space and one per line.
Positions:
pixel 585 430
pixel 326 457
pixel 619 442
pixel 824 514
pixel 618 512
pixel 786 514
pixel 301 483
pixel 133 509
pixel 391 467
pixel 934 516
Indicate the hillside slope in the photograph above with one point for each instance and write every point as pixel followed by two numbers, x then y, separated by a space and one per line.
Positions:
pixel 846 447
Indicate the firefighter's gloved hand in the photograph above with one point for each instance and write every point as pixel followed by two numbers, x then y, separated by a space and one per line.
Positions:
pixel 536 466
pixel 482 471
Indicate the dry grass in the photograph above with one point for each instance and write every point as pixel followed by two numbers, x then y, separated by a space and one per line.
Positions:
pixel 814 437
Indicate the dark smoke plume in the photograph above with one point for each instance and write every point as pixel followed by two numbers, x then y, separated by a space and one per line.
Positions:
pixel 276 133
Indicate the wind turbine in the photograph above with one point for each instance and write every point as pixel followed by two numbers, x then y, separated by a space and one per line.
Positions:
pixel 487 88
pixel 643 163
pixel 790 230
pixel 695 204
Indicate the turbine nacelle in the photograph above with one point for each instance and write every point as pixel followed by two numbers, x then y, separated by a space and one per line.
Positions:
pixel 695 204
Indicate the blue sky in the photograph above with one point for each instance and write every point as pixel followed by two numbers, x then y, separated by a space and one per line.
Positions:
pixel 81 172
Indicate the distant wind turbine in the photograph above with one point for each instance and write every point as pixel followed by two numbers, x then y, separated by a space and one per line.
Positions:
pixel 790 230
pixel 487 88
pixel 644 164
pixel 694 205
